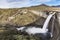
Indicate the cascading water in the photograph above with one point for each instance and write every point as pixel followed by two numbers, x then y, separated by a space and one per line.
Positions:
pixel 47 21
pixel 42 32
pixel 38 30
pixel 35 30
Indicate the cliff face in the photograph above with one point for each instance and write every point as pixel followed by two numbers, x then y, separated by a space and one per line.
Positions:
pixel 58 15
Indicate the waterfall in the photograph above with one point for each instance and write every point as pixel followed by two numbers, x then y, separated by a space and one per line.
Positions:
pixel 34 30
pixel 47 21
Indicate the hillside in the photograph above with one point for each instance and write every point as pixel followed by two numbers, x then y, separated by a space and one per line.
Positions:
pixel 14 17
pixel 22 16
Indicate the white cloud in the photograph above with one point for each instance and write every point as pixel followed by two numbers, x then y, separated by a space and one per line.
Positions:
pixel 42 1
pixel 3 4
pixel 19 3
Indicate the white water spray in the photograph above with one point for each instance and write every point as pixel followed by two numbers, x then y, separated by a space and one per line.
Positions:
pixel 47 21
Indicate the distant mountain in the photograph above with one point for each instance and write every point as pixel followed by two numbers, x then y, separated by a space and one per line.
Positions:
pixel 56 6
pixel 45 5
pixel 41 5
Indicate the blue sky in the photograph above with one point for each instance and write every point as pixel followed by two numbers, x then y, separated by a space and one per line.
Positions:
pixel 26 3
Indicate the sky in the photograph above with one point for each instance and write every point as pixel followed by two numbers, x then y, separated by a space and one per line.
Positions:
pixel 26 3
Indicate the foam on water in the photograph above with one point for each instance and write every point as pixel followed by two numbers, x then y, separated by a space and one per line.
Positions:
pixel 21 28
pixel 34 30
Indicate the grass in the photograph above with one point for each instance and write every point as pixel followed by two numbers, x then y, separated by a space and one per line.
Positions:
pixel 20 19
pixel 24 19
